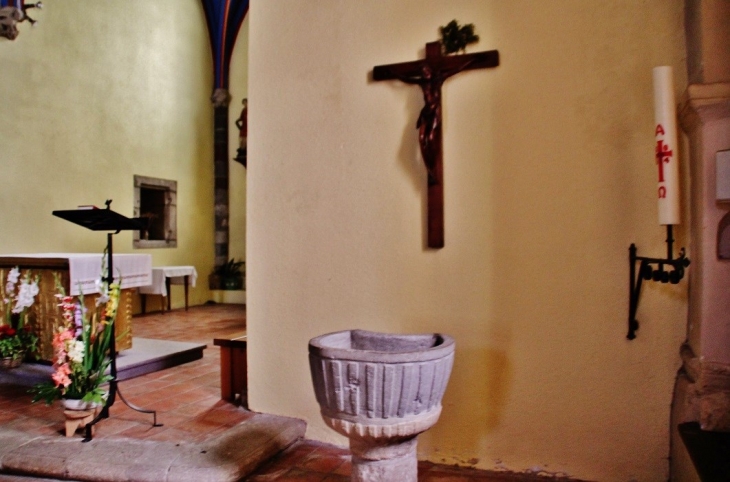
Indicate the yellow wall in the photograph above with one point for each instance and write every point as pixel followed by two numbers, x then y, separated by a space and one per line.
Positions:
pixel 94 94
pixel 549 177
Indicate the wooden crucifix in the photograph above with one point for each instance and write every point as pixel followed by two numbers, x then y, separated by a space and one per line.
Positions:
pixel 429 74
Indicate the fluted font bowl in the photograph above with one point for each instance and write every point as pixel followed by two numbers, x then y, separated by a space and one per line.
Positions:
pixel 380 386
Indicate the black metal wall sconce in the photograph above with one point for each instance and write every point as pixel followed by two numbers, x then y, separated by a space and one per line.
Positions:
pixel 648 272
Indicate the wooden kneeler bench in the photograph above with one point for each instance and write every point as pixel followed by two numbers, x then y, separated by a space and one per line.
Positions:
pixel 234 379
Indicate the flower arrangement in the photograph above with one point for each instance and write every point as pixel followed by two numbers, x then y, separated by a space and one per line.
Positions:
pixel 17 295
pixel 81 348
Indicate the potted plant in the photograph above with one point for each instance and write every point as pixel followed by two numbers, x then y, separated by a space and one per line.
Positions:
pixel 81 351
pixel 231 275
pixel 17 338
pixel 16 344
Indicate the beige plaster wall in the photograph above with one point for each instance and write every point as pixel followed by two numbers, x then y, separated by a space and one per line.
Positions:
pixel 708 40
pixel 549 176
pixel 94 94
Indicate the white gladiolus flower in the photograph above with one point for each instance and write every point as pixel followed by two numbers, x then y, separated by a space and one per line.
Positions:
pixel 102 299
pixel 13 276
pixel 76 351
pixel 26 296
pixel 103 290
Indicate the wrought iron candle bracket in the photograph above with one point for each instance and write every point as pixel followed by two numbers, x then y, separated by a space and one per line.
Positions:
pixel 647 271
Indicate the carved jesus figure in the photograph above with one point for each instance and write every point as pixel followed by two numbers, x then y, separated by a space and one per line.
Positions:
pixel 429 120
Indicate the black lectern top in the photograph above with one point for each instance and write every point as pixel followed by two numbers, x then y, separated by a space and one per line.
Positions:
pixel 101 219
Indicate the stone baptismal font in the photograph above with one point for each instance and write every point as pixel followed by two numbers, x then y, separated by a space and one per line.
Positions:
pixel 381 391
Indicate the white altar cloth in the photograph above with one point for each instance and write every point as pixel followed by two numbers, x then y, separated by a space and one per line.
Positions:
pixel 176 274
pixel 85 269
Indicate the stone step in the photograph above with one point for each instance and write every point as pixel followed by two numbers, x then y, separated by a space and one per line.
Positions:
pixel 232 455
pixel 20 478
pixel 147 356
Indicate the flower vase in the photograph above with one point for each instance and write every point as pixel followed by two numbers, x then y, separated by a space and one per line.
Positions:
pixel 8 362
pixel 78 404
pixel 79 413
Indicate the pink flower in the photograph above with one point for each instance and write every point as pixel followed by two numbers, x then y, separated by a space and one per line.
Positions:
pixel 60 338
pixel 60 376
pixel 61 356
pixel 68 306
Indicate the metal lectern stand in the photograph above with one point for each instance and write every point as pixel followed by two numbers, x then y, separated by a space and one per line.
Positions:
pixel 108 220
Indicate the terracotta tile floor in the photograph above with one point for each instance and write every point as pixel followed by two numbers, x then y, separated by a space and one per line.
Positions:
pixel 186 397
pixel 188 404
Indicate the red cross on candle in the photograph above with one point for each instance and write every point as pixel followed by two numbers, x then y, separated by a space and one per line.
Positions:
pixel 663 154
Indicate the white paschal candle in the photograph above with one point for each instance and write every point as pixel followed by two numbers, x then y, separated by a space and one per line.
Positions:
pixel 665 146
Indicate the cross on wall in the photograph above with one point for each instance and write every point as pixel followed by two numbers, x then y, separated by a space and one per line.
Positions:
pixel 429 74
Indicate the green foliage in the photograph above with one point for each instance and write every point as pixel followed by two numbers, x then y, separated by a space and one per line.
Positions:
pixel 10 344
pixel 17 343
pixel 86 387
pixel 232 269
pixel 455 38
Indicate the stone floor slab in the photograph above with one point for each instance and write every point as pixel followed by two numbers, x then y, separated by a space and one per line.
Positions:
pixel 228 457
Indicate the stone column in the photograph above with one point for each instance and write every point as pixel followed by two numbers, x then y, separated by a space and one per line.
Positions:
pixel 702 390
pixel 389 461
pixel 221 99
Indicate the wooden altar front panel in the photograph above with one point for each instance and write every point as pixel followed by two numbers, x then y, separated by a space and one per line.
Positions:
pixel 45 314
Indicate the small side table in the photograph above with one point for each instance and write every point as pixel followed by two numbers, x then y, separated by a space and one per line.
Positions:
pixel 163 277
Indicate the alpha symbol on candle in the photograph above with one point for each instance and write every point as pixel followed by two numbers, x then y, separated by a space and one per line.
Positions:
pixel 663 154
pixel 659 130
pixel 662 192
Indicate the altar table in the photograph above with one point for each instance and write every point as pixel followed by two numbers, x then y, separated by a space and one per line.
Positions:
pixel 163 277
pixel 79 273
